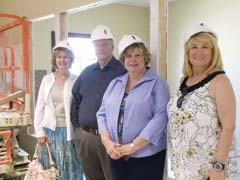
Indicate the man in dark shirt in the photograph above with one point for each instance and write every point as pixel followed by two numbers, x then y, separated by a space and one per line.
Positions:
pixel 87 92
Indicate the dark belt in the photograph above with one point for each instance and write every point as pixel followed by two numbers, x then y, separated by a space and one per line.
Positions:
pixel 91 130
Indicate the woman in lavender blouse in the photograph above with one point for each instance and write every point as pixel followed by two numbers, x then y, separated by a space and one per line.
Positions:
pixel 132 119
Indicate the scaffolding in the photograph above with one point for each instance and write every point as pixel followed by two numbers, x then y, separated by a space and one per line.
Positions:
pixel 14 93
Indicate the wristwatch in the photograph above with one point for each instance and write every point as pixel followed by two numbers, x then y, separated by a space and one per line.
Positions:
pixel 218 166
pixel 132 145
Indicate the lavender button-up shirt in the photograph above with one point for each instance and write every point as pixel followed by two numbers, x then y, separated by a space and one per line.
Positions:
pixel 145 112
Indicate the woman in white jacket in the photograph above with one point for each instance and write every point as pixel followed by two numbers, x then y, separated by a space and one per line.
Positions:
pixel 52 114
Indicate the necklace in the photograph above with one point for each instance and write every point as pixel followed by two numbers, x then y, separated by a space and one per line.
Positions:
pixel 187 89
pixel 60 76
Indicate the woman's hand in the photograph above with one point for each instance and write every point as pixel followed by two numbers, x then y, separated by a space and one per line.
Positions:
pixel 112 149
pixel 215 175
pixel 130 148
pixel 127 149
pixel 42 140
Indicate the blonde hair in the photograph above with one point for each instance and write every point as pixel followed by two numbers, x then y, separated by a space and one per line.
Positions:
pixel 216 61
pixel 141 47
pixel 56 52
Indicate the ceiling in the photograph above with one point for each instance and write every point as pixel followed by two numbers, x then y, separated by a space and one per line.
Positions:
pixel 141 3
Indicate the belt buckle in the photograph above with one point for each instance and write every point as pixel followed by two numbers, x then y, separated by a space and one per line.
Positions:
pixel 95 131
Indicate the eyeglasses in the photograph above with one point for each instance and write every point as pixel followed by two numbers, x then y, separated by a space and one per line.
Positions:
pixel 101 45
pixel 184 91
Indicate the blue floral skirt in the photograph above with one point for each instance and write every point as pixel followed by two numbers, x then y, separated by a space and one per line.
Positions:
pixel 63 153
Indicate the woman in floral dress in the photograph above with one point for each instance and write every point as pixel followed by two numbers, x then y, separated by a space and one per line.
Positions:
pixel 202 113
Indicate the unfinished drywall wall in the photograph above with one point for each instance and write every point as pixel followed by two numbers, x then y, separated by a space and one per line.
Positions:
pixel 221 16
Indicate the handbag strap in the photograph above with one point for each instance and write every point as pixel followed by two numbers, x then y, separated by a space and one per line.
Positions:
pixel 35 156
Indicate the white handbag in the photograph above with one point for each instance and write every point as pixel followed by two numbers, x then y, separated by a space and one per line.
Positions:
pixel 36 171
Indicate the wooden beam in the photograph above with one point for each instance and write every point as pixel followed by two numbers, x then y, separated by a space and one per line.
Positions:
pixel 61 26
pixel 158 35
pixel 11 97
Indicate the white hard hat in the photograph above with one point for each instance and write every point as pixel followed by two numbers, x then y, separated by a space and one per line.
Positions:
pixel 63 44
pixel 101 32
pixel 197 28
pixel 127 40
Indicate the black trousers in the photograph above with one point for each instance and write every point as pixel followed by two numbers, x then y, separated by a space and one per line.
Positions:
pixel 151 167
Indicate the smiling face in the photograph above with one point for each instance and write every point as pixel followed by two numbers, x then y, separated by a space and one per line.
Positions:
pixel 134 61
pixel 62 59
pixel 200 54
pixel 135 57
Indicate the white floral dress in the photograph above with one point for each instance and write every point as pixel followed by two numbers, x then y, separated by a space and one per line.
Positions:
pixel 193 135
